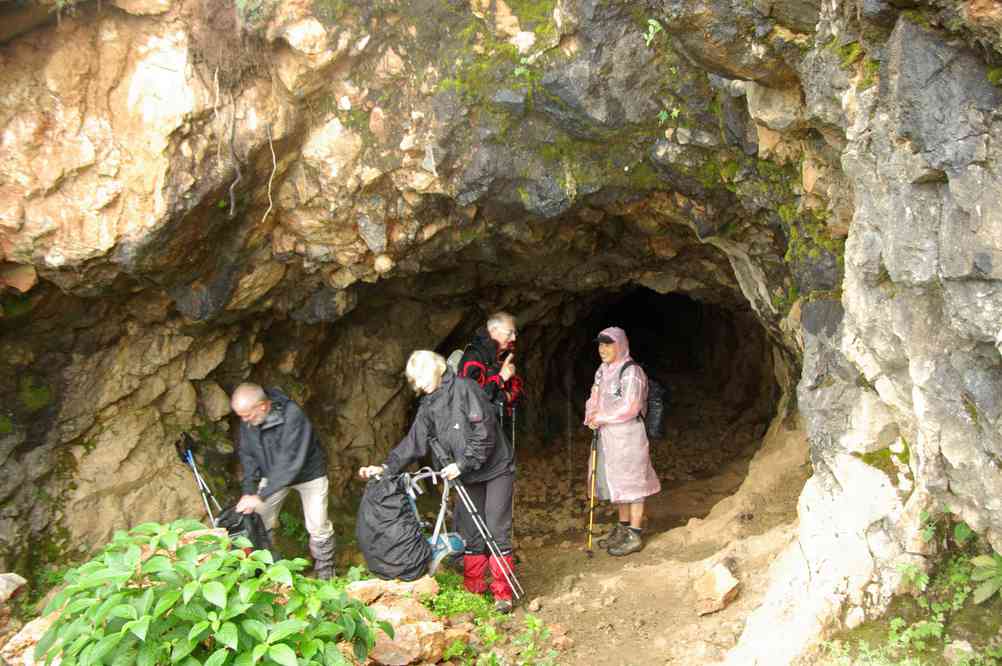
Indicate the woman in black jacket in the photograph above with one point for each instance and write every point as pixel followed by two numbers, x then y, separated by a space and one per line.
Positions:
pixel 455 412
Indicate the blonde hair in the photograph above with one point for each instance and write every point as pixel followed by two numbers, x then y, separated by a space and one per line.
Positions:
pixel 424 369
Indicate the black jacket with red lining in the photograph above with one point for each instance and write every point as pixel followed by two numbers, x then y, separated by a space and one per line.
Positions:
pixel 480 363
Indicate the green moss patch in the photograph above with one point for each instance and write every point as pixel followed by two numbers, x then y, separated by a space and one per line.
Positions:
pixel 33 394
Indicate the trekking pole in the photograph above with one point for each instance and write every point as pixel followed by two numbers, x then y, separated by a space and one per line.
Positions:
pixel 591 500
pixel 479 523
pixel 514 461
pixel 203 488
pixel 492 544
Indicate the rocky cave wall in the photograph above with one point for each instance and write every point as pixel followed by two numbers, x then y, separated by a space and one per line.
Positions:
pixel 302 192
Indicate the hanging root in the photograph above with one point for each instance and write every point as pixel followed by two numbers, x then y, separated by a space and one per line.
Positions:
pixel 236 162
pixel 274 168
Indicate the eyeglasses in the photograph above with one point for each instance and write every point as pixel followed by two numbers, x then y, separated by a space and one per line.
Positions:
pixel 509 334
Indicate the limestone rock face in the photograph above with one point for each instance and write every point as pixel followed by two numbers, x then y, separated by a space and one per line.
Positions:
pixel 193 195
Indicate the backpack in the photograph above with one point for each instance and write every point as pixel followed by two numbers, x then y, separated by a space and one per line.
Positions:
pixel 657 395
pixel 389 533
pixel 454 358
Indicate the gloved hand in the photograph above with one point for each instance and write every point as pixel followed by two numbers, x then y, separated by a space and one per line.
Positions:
pixel 450 471
pixel 371 471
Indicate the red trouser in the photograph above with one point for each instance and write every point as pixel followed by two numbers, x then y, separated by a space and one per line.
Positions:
pixel 475 575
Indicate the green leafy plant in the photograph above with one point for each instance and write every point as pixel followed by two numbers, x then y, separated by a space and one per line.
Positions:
pixel 962 533
pixel 522 69
pixel 653 28
pixel 180 594
pixel 528 643
pixel 988 572
pixel 914 576
pixel 293 527
pixel 453 599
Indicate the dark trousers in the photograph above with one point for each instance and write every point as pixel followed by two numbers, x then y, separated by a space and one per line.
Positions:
pixel 493 501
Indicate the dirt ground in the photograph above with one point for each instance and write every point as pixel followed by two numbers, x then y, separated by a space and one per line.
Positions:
pixel 640 609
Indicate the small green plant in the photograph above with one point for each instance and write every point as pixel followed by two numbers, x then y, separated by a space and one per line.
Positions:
pixel 914 576
pixel 522 69
pixel 293 527
pixel 962 533
pixel 453 599
pixel 159 594
pixel 988 572
pixel 528 643
pixel 653 28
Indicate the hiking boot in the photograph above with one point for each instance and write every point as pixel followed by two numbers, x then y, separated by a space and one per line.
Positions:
pixel 322 551
pixel 630 544
pixel 503 606
pixel 613 536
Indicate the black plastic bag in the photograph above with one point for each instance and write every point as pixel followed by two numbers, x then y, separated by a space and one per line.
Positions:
pixel 247 525
pixel 388 531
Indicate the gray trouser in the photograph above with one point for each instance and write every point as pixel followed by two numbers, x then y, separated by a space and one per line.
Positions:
pixel 314 496
pixel 493 501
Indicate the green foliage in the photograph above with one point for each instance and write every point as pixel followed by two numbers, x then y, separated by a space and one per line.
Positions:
pixel 850 53
pixel 453 599
pixel 528 643
pixel 988 572
pixel 198 600
pixel 293 527
pixel 914 576
pixel 6 425
pixel 33 394
pixel 653 28
pixel 995 76
pixel 871 69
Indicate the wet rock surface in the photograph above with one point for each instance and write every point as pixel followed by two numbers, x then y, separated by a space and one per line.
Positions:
pixel 191 196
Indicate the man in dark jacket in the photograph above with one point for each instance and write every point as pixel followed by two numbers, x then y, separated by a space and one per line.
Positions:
pixel 454 413
pixel 280 452
pixel 490 361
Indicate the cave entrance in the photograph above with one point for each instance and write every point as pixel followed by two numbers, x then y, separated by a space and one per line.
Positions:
pixel 716 362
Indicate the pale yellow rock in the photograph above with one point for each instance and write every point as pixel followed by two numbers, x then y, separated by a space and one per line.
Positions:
pixel 18 276
pixel 383 263
pixel 19 650
pixel 215 402
pixel 254 285
pixel 143 7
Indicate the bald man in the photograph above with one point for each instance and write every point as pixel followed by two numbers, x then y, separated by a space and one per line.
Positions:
pixel 280 452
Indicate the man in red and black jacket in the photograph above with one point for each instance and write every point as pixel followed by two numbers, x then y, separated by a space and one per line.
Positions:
pixel 490 360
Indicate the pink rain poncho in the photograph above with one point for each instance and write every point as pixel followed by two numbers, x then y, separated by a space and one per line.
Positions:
pixel 624 472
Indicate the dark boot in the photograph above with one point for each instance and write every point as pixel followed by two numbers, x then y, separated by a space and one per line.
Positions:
pixel 630 544
pixel 322 551
pixel 613 536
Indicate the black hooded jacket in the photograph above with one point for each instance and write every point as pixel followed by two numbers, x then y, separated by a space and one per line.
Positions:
pixel 480 363
pixel 284 449
pixel 460 417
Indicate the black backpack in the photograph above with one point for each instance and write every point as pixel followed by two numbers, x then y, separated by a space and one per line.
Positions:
pixel 657 396
pixel 388 531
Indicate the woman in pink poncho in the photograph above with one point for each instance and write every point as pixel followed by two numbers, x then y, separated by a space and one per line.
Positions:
pixel 624 475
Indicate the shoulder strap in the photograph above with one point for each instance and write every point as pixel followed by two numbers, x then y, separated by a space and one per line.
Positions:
pixel 626 365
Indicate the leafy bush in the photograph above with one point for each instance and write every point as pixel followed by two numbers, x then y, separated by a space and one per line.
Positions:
pixel 988 572
pixel 453 599
pixel 180 594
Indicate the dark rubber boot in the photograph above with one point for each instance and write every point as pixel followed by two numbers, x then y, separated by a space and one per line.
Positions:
pixel 613 536
pixel 322 551
pixel 631 544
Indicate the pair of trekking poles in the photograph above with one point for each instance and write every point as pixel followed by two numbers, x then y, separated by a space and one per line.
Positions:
pixel 485 533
